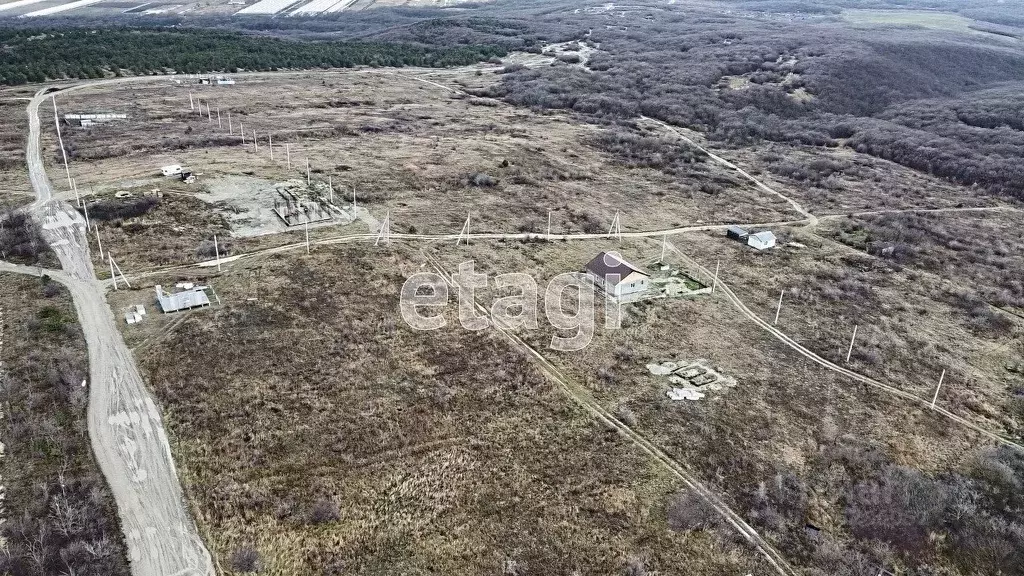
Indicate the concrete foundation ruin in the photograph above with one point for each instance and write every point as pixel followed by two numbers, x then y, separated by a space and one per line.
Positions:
pixel 296 208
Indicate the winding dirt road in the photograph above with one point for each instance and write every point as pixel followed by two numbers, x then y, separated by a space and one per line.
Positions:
pixel 125 427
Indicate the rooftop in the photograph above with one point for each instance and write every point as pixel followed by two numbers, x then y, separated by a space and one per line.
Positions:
pixel 612 268
pixel 182 300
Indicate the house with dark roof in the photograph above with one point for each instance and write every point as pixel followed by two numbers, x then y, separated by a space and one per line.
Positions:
pixel 616 276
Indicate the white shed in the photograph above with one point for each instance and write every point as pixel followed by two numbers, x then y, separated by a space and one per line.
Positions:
pixel 616 276
pixel 172 170
pixel 761 240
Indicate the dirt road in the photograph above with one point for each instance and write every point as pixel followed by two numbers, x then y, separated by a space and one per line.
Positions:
pixel 581 396
pixel 125 427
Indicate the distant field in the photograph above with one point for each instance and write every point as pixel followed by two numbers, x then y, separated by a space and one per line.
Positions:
pixel 925 18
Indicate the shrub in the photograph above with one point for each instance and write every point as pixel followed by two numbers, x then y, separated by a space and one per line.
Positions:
pixel 246 559
pixel 689 511
pixel 122 208
pixel 901 507
pixel 21 239
pixel 480 179
pixel 324 511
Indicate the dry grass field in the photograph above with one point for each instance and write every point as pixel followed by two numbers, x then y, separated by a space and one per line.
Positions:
pixel 841 180
pixel 15 189
pixel 428 155
pixel 316 433
pixel 787 420
pixel 331 438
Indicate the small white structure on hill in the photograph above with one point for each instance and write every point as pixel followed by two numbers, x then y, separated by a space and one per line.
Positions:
pixel 186 300
pixel 616 276
pixel 761 240
pixel 172 170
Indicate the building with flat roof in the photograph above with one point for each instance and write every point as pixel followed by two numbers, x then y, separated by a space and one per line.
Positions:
pixel 761 240
pixel 185 300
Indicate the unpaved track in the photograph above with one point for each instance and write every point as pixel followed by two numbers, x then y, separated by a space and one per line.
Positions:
pixel 125 428
pixel 781 336
pixel 582 397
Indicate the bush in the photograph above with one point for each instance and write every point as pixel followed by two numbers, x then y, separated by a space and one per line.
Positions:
pixel 689 511
pixel 901 507
pixel 480 179
pixel 21 239
pixel 323 512
pixel 122 208
pixel 246 559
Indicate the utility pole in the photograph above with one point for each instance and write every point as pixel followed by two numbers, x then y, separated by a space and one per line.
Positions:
pixel 714 282
pixel 464 234
pixel 549 225
pixel 937 388
pixel 230 131
pixel 60 139
pixel 852 340
pixel 307 171
pixel 288 155
pixel 384 234
pixel 241 131
pixel 78 198
pixel 216 251
pixel 85 207
pixel 779 309
pixel 307 236
pixel 664 240
pixel 112 277
pixel 209 114
pixel 616 228
pixel 255 143
pixel 270 143
pixel 330 186
pixel 191 104
pixel 354 201
pixel 98 241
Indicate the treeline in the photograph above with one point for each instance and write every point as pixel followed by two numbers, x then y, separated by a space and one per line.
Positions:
pixel 40 55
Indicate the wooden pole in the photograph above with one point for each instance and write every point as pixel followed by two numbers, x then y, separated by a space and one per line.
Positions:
pixel 714 282
pixel 98 241
pixel 850 351
pixel 779 309
pixel 937 388
pixel 216 251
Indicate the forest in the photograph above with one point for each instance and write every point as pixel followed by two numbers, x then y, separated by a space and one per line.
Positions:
pixel 37 55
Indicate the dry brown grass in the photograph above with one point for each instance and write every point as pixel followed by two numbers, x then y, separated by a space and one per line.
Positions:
pixel 787 416
pixel 446 452
pixel 56 502
pixel 841 180
pixel 408 146
pixel 15 189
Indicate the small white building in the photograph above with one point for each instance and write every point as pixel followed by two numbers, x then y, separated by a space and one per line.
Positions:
pixel 615 276
pixel 186 300
pixel 761 240
pixel 172 170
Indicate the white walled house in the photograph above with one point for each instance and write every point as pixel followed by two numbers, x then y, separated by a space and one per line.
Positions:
pixel 615 276
pixel 761 240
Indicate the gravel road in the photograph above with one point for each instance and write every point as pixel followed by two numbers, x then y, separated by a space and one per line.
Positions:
pixel 125 428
